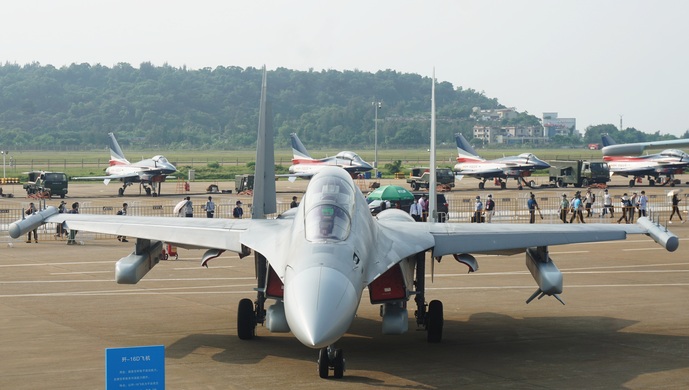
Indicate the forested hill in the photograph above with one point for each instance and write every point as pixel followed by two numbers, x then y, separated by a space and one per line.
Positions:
pixel 76 106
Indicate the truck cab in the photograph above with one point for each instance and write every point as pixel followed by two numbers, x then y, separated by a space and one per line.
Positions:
pixel 50 183
pixel 419 177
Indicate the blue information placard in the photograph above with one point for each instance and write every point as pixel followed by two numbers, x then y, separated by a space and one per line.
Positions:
pixel 135 368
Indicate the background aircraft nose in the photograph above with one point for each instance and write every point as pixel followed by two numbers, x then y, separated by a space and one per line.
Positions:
pixel 542 164
pixel 320 304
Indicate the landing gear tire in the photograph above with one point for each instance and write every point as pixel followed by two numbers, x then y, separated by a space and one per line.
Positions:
pixel 323 363
pixel 503 185
pixel 520 187
pixel 338 364
pixel 532 184
pixel 651 182
pixel 631 183
pixel 120 192
pixel 435 321
pixel 481 185
pixel 246 320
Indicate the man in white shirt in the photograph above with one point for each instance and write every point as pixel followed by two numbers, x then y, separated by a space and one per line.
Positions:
pixel 415 211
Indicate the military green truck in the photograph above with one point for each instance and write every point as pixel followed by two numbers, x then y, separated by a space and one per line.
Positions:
pixel 41 182
pixel 243 183
pixel 579 173
pixel 420 176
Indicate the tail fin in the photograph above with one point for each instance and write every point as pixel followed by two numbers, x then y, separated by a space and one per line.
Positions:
pixel 607 140
pixel 464 149
pixel 116 155
pixel 298 149
pixel 264 201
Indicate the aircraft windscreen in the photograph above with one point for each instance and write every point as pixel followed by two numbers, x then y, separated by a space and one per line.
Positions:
pixel 328 206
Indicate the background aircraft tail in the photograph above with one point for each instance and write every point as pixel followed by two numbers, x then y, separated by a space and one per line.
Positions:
pixel 607 140
pixel 464 149
pixel 264 201
pixel 298 149
pixel 116 155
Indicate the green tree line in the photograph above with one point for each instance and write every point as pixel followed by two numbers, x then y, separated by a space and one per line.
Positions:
pixel 163 106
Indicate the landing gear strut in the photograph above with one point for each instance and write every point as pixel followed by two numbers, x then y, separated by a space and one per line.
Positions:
pixel 431 319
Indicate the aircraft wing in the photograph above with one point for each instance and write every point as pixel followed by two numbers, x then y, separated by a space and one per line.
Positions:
pixel 639 147
pixel 457 238
pixel 108 177
pixel 299 174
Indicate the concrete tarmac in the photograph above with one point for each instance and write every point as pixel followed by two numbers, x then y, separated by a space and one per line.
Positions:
pixel 625 323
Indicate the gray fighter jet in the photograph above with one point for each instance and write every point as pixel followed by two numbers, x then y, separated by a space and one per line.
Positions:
pixel 315 261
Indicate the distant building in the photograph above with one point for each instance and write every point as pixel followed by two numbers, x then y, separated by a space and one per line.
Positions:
pixel 490 134
pixel 494 114
pixel 552 125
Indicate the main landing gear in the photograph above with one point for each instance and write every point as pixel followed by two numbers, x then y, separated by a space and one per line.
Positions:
pixel 498 182
pixel 150 191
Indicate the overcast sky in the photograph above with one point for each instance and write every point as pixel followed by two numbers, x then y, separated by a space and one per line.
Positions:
pixel 592 60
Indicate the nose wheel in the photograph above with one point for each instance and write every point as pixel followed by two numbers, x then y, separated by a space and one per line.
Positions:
pixel 330 358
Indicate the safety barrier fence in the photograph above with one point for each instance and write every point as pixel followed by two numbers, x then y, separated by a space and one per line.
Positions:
pixel 461 209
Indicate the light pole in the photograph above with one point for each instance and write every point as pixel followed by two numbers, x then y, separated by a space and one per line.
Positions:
pixel 376 106
pixel 3 162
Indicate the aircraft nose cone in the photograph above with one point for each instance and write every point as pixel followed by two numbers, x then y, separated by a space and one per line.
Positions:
pixel 320 304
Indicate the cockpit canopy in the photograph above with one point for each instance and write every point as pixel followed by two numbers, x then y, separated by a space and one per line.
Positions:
pixel 346 155
pixel 329 206
pixel 674 153
pixel 160 159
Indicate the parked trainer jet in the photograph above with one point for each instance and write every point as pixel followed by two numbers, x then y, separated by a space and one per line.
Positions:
pixel 518 167
pixel 314 261
pixel 303 165
pixel 668 163
pixel 146 172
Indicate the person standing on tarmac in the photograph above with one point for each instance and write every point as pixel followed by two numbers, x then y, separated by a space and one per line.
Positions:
pixel 490 208
pixel 577 207
pixel 607 205
pixel 532 206
pixel 122 211
pixel 415 211
pixel 675 208
pixel 30 211
pixel 564 208
pixel 210 208
pixel 626 205
pixel 478 210
pixel 643 204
